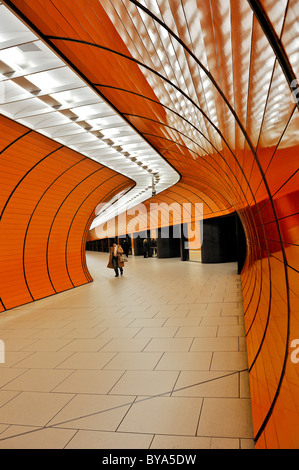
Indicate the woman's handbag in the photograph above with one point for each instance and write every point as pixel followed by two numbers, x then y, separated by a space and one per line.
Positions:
pixel 123 258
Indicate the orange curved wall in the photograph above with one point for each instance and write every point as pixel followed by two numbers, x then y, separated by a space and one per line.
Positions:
pixel 48 197
pixel 246 161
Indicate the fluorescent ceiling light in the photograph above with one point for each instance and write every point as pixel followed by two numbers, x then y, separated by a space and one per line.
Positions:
pixel 40 91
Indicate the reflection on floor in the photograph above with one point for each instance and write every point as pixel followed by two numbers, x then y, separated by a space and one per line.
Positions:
pixel 153 359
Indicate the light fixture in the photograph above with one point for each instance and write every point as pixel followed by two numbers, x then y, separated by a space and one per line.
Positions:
pixel 43 93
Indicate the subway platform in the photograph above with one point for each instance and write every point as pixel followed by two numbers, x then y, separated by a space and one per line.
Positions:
pixel 153 359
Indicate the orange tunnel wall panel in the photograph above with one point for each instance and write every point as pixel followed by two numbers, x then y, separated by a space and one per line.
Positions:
pixel 42 229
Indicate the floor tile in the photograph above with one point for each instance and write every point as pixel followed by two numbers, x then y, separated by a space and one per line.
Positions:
pixel 169 344
pixel 37 380
pixel 163 415
pixel 215 344
pixel 134 361
pixel 87 360
pixel 47 438
pixel 145 383
pixel 6 396
pixel 196 332
pixel 157 332
pixel 109 440
pixel 47 345
pixel 185 361
pixel 8 374
pixel 89 381
pixel 33 408
pixel 153 361
pixel 207 384
pixel 180 442
pixel 126 345
pixel 84 345
pixel 119 333
pixel 225 417
pixel 227 360
pixel 43 359
pixel 93 412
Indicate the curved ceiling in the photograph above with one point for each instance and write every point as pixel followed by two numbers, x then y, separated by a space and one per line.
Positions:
pixel 175 71
pixel 40 91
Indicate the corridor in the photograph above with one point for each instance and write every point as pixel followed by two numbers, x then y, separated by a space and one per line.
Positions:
pixel 154 359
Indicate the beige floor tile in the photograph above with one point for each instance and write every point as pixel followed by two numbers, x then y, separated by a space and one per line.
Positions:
pixel 89 381
pixel 138 315
pixel 85 345
pixel 180 442
pixel 76 333
pixel 231 331
pixel 13 358
pixel 8 374
pixel 119 333
pixel 206 312
pixel 109 440
pixel 225 417
pixel 37 380
pixel 47 345
pixel 116 322
pixel 54 323
pixel 207 384
pixel 185 361
pixel 93 412
pixel 87 360
pixel 172 313
pixel 50 333
pixel 128 345
pixel 47 438
pixel 18 344
pixel 146 322
pixel 222 443
pixel 223 321
pixel 229 361
pixel 197 309
pixel 196 332
pixel 157 332
pixel 247 444
pixel 43 360
pixel 145 383
pixel 244 385
pixel 169 344
pixel 33 408
pixel 18 334
pixel 134 361
pixel 6 396
pixel 163 415
pixel 215 344
pixel 3 427
pixel 186 321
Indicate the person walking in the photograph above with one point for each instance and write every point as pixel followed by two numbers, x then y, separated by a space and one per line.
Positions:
pixel 114 259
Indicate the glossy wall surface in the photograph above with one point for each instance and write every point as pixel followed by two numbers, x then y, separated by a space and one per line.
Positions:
pixel 209 85
pixel 47 201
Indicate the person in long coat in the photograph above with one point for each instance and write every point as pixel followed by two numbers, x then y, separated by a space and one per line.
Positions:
pixel 114 259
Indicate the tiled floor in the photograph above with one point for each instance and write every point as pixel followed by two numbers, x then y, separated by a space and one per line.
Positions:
pixel 155 359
